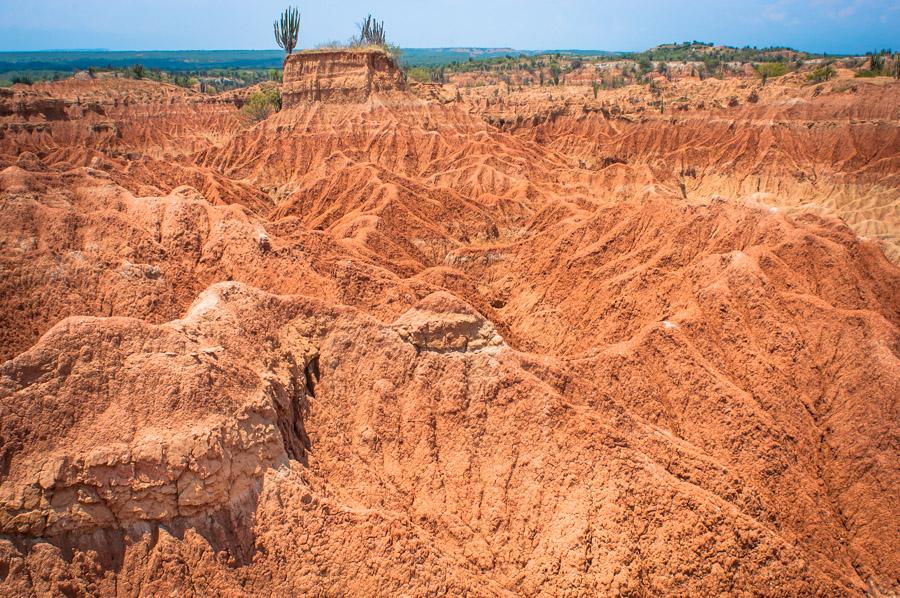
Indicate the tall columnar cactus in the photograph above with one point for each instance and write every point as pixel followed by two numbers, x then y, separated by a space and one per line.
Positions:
pixel 371 33
pixel 287 29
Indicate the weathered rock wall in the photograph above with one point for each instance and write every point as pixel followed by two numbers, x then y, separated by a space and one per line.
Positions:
pixel 341 76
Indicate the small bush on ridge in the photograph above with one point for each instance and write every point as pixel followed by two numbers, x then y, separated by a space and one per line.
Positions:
pixel 262 104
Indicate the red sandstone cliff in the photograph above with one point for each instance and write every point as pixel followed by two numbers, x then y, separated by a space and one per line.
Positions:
pixel 341 76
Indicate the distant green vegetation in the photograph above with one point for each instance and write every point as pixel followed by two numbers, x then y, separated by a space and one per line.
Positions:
pixel 182 60
pixel 552 67
pixel 716 60
pixel 703 52
pixel 220 70
pixel 431 57
pixel 206 81
pixel 31 76
pixel 534 69
pixel 44 65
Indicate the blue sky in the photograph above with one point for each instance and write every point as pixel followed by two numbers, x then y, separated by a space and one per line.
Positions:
pixel 837 26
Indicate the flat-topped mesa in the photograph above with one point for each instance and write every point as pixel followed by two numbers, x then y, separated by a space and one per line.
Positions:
pixel 339 76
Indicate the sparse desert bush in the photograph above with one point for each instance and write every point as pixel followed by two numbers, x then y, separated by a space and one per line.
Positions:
pixel 419 73
pixel 138 71
pixel 393 49
pixel 767 70
pixel 21 80
pixel 845 86
pixel 822 74
pixel 424 74
pixel 555 72
pixel 612 83
pixel 262 104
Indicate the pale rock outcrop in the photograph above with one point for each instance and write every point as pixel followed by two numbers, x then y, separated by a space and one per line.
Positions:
pixel 441 322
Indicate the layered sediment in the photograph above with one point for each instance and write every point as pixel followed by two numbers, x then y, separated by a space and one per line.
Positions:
pixel 491 344
pixel 339 76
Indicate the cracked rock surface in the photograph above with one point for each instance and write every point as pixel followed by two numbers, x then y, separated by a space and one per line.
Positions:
pixel 485 345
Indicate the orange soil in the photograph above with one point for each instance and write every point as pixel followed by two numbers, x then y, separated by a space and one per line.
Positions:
pixel 485 343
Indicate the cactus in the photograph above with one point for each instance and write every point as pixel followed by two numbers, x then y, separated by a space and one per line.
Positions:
pixel 287 29
pixel 371 33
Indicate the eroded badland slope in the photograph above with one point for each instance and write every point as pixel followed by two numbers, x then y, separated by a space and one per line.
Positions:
pixel 486 343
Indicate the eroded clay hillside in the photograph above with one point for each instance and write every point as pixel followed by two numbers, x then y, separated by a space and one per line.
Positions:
pixel 451 341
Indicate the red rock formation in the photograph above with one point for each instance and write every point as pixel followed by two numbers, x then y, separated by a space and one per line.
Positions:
pixel 476 346
pixel 344 76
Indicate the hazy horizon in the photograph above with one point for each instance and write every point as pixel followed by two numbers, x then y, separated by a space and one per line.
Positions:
pixel 833 26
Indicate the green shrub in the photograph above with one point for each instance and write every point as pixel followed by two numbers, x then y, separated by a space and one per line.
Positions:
pixel 771 69
pixel 21 80
pixel 822 74
pixel 555 72
pixel 866 74
pixel 419 73
pixel 261 104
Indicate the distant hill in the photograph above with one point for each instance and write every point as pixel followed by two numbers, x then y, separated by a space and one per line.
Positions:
pixel 206 60
pixel 181 60
pixel 61 63
pixel 445 56
pixel 700 51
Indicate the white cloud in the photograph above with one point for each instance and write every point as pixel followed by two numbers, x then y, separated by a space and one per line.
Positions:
pixel 774 12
